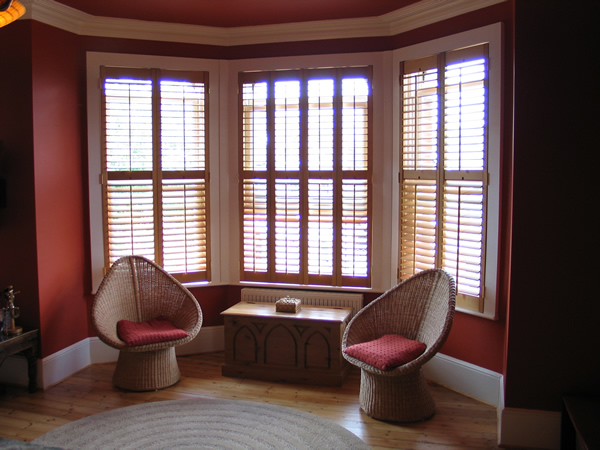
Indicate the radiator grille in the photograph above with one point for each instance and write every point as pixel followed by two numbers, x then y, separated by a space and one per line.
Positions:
pixel 312 298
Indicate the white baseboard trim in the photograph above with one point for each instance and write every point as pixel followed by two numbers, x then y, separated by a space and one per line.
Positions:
pixel 210 339
pixel 516 427
pixel 526 428
pixel 469 379
pixel 64 363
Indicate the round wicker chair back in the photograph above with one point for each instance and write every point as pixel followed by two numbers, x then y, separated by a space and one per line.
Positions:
pixel 420 308
pixel 138 290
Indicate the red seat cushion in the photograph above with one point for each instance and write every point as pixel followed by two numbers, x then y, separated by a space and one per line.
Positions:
pixel 150 332
pixel 387 352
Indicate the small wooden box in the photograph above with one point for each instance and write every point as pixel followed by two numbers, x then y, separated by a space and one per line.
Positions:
pixel 287 304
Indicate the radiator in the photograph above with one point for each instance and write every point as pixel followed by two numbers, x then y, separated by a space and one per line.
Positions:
pixel 311 298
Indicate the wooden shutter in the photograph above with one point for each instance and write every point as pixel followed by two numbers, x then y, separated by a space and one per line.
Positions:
pixel 154 169
pixel 321 151
pixel 465 176
pixel 285 218
pixel 355 179
pixel 420 162
pixel 444 174
pixel 305 148
pixel 128 163
pixel 183 169
pixel 254 203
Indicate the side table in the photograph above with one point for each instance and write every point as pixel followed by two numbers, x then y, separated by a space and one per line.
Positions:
pixel 580 419
pixel 26 343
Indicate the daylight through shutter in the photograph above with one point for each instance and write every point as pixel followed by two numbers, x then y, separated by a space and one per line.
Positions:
pixel 443 177
pixel 355 248
pixel 184 212
pixel 128 166
pixel 305 148
pixel 154 169
pixel 320 161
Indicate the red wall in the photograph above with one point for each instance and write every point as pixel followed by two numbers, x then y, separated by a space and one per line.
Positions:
pixel 60 240
pixel 43 237
pixel 18 251
pixel 59 179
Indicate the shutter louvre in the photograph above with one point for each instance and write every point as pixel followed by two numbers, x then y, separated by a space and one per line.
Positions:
pixel 305 147
pixel 444 150
pixel 154 161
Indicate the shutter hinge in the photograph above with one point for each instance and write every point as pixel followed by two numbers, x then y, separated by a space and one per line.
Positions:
pixel 102 178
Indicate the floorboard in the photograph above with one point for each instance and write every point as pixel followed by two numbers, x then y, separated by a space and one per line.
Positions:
pixel 460 422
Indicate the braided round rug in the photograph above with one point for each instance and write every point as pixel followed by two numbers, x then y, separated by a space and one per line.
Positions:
pixel 202 423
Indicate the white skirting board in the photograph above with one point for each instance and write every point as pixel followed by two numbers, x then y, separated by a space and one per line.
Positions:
pixel 521 428
pixel 61 365
pixel 516 427
pixel 469 379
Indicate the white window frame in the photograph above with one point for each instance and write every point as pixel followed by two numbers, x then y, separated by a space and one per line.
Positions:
pixel 492 35
pixel 94 61
pixel 382 272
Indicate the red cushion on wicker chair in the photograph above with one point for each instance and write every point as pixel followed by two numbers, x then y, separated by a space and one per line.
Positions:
pixel 150 332
pixel 387 352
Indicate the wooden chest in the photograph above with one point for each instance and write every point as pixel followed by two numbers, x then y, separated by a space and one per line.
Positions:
pixel 303 347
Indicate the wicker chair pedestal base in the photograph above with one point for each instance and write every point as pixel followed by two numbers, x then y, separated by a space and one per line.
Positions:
pixel 146 371
pixel 404 398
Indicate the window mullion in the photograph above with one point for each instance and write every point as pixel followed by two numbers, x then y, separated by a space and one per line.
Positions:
pixel 271 177
pixel 304 210
pixel 441 179
pixel 337 180
pixel 157 167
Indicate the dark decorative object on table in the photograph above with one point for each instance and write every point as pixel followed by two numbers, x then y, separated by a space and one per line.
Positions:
pixel 10 312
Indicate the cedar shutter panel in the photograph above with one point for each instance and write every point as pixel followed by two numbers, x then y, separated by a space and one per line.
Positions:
pixel 444 177
pixel 286 217
pixel 419 189
pixel 465 174
pixel 127 166
pixel 355 190
pixel 305 146
pixel 183 164
pixel 255 256
pixel 154 169
pixel 320 153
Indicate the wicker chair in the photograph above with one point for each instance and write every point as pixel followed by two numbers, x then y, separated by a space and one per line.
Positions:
pixel 420 308
pixel 138 290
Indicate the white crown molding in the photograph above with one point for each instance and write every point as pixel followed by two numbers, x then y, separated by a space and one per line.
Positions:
pixel 425 12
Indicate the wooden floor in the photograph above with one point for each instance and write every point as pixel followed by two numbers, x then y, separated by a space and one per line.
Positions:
pixel 460 422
